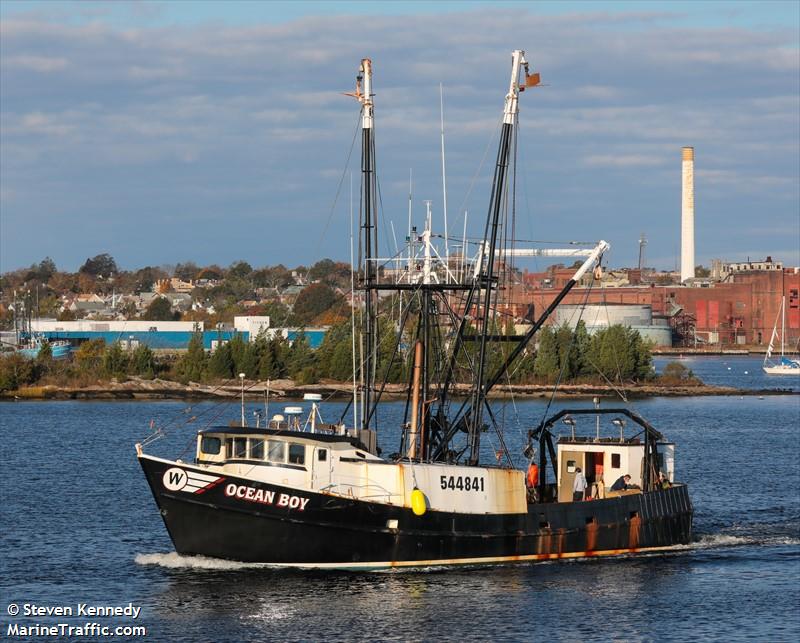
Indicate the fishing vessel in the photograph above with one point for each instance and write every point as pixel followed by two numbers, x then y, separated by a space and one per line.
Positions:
pixel 59 349
pixel 785 365
pixel 323 495
pixel 27 343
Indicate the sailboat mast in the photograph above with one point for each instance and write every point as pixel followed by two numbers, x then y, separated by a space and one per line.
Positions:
pixel 783 311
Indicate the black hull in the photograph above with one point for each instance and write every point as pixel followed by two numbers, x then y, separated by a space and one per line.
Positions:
pixel 330 531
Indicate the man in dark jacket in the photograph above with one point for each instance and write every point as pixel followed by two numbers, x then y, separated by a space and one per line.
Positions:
pixel 622 483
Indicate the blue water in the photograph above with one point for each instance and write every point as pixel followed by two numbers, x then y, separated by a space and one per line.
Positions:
pixel 79 525
pixel 739 371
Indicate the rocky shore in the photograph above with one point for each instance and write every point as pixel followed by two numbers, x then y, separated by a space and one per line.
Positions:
pixel 142 389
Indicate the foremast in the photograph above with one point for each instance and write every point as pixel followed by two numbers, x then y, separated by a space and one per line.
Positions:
pixel 486 272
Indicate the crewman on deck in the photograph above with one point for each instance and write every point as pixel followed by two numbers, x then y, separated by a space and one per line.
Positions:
pixel 579 488
pixel 622 483
pixel 532 482
pixel 532 478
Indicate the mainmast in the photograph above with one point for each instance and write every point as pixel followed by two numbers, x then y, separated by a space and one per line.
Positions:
pixel 369 239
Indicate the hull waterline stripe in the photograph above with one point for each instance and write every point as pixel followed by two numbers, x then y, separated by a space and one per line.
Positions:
pixel 492 560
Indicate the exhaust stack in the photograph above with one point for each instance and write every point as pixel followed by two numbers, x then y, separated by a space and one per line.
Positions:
pixel 687 214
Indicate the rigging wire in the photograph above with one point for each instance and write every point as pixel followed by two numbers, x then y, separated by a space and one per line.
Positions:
pixel 338 190
pixel 566 361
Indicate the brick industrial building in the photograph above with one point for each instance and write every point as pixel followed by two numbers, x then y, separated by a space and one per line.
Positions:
pixel 739 306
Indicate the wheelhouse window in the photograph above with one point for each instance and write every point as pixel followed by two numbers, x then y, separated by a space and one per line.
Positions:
pixel 276 451
pixel 615 460
pixel 256 449
pixel 239 447
pixel 570 466
pixel 297 454
pixel 210 445
pixel 322 455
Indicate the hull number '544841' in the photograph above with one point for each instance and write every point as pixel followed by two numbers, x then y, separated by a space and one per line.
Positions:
pixel 462 483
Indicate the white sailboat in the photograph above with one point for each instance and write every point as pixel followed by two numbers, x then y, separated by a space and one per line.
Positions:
pixel 786 365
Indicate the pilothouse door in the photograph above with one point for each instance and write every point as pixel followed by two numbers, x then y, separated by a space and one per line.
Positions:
pixel 321 468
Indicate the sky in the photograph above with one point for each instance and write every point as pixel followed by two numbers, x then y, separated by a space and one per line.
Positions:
pixel 164 132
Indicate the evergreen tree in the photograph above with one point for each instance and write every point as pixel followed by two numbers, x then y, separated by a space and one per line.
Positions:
pixel 115 361
pixel 619 353
pixel 582 347
pixel 249 361
pixel 143 362
pixel 193 365
pixel 266 363
pixel 221 365
pixel 546 363
pixel 300 356
pixel 238 348
pixel 44 360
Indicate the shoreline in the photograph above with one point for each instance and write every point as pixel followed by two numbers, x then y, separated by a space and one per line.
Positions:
pixel 140 389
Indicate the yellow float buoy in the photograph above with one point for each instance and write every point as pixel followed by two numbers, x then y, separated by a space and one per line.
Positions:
pixel 419 504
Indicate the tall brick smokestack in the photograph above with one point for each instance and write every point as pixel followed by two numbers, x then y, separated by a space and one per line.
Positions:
pixel 687 214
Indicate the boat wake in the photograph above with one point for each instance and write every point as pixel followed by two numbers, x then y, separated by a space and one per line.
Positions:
pixel 174 560
pixel 724 540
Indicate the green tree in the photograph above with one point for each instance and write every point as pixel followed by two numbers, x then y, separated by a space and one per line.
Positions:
pixel 300 356
pixel 546 363
pixel 89 356
pixel 619 353
pixel 16 371
pixel 160 309
pixel 675 373
pixel 250 360
pixel 143 362
pixel 45 354
pixel 314 300
pixel 266 363
pixel 115 360
pixel 238 348
pixel 221 365
pixel 193 364
pixel 186 271
pixel 42 271
pixel 322 270
pixel 240 269
pixel 102 265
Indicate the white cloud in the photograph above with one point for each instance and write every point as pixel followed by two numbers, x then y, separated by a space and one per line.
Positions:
pixel 42 64
pixel 623 160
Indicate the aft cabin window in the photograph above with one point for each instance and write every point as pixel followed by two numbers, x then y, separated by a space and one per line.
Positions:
pixel 210 446
pixel 297 454
pixel 276 451
pixel 239 447
pixel 615 460
pixel 322 455
pixel 256 449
